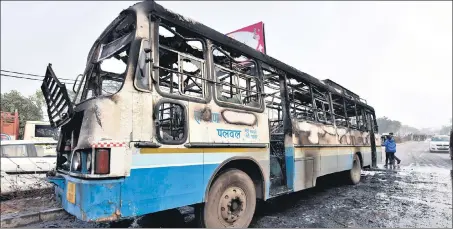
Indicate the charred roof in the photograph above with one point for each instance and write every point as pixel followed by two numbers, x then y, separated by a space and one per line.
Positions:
pixel 151 7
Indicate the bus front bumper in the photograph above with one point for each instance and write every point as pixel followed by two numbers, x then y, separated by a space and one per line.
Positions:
pixel 89 200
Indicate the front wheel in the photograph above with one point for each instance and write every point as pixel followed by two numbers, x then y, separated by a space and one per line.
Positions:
pixel 353 175
pixel 231 201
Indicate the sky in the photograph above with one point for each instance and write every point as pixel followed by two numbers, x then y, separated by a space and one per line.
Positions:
pixel 396 55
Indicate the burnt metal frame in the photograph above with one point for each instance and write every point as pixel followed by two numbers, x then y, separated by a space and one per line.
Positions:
pixel 208 33
pixel 295 105
pixel 325 99
pixel 57 99
pixel 275 94
pixel 155 11
pixel 144 55
pixel 156 118
pixel 258 77
pixel 342 116
pixel 155 23
pixel 232 85
pixel 97 49
pixel 179 73
pixel 94 51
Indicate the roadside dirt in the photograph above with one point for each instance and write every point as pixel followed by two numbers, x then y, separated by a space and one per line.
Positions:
pixel 15 207
pixel 408 197
pixel 418 194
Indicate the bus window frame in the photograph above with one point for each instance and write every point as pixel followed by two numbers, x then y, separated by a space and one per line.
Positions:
pixel 156 119
pixel 144 69
pixel 154 23
pixel 257 77
pixel 327 101
pixel 310 111
pixel 93 63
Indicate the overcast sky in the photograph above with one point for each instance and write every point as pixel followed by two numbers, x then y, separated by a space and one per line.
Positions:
pixel 396 55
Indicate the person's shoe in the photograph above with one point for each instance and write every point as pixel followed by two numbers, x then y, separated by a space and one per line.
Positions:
pixel 399 161
pixel 385 166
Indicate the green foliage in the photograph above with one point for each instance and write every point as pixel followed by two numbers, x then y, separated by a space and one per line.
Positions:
pixel 387 125
pixel 445 130
pixel 29 108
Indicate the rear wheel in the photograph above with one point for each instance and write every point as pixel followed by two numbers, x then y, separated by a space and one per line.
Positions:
pixel 231 201
pixel 353 175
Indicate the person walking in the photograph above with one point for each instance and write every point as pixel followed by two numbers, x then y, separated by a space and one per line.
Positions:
pixel 390 150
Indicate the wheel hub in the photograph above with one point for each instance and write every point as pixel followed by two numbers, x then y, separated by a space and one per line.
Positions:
pixel 232 205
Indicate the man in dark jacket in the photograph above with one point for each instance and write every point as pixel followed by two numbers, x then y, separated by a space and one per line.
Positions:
pixel 390 150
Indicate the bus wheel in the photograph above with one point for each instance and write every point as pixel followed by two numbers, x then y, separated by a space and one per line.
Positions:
pixel 231 201
pixel 354 174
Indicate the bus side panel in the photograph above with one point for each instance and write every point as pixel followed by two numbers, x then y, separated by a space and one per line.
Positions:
pixel 161 181
pixel 366 155
pixel 328 160
pixel 379 157
pixel 346 157
pixel 304 172
pixel 307 167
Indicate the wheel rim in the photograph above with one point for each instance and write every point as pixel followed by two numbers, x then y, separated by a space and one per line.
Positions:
pixel 232 206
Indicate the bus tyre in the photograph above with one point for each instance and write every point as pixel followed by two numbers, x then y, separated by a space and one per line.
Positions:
pixel 231 201
pixel 353 175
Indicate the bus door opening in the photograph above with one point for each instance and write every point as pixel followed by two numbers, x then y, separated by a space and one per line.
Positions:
pixel 278 159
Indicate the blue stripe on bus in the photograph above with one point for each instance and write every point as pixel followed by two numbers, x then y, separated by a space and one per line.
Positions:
pixel 149 190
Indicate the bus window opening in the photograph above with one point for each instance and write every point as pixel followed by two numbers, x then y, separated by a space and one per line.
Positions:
pixel 181 62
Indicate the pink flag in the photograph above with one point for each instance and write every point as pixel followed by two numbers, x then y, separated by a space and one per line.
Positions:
pixel 252 35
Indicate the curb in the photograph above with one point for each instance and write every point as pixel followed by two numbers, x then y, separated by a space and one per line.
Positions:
pixel 36 217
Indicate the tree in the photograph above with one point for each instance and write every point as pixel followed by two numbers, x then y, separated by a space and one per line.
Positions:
pixel 38 99
pixel 405 129
pixel 29 108
pixel 445 130
pixel 387 125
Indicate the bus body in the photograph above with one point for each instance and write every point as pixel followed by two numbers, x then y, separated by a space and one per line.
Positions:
pixel 196 118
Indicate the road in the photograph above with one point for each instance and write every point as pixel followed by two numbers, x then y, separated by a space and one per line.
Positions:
pixel 417 194
pixel 417 154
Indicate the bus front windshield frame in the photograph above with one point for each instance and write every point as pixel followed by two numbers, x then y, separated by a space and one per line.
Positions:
pixel 107 67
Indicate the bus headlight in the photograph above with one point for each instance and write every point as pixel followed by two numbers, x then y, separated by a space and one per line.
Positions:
pixel 76 165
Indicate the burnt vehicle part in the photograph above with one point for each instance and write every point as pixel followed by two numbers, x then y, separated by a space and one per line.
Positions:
pixel 96 82
pixel 59 107
pixel 291 86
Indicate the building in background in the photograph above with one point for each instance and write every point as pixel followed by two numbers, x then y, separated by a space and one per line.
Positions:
pixel 9 125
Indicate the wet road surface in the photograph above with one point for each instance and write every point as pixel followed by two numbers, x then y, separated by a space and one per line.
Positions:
pixel 417 194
